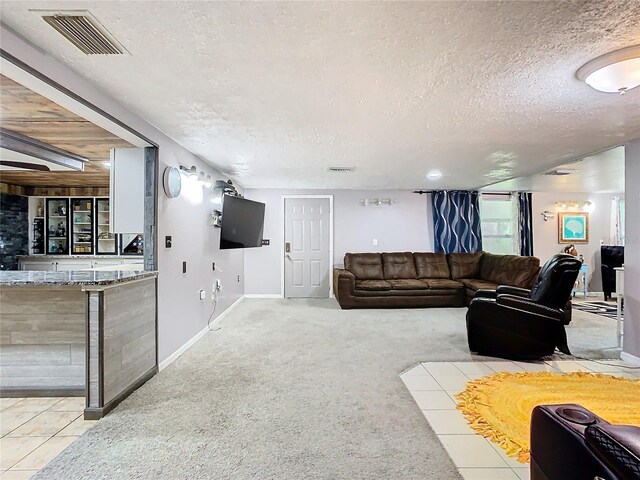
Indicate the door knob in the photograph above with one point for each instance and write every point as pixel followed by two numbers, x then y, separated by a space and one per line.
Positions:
pixel 288 256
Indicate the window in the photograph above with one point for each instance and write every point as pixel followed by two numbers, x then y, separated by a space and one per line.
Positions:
pixel 499 215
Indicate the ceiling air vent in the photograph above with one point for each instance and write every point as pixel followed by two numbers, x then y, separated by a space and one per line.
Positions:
pixel 341 169
pixel 85 32
pixel 560 172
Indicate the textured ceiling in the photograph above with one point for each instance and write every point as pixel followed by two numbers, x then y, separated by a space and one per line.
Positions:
pixel 599 173
pixel 482 91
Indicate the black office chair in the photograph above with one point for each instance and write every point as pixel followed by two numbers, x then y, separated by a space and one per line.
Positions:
pixel 513 322
pixel 611 256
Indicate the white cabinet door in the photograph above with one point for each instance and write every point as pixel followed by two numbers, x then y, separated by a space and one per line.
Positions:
pixel 126 192
pixel 38 265
pixel 106 263
pixel 68 265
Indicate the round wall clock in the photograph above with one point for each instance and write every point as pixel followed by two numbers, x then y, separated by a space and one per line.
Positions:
pixel 172 182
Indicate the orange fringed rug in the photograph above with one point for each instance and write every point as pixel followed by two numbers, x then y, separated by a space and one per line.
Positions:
pixel 499 406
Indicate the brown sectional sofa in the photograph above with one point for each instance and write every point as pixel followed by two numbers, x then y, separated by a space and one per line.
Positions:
pixel 405 279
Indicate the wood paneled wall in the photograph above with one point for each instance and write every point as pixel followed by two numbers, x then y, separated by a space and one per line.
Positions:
pixel 42 338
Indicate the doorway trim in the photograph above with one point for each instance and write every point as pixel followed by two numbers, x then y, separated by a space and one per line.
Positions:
pixel 282 227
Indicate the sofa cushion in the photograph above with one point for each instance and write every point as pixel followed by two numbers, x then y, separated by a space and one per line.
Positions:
pixel 408 284
pixel 372 285
pixel 509 269
pixel 431 265
pixel 442 283
pixel 464 265
pixel 478 284
pixel 398 266
pixel 364 266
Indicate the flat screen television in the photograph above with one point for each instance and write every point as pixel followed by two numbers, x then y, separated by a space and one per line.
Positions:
pixel 242 223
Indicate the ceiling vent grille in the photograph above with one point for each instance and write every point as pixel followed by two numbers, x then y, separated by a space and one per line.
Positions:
pixel 560 172
pixel 341 169
pixel 85 32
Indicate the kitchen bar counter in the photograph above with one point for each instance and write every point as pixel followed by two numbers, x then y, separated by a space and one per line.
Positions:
pixel 85 333
pixel 80 277
pixel 85 257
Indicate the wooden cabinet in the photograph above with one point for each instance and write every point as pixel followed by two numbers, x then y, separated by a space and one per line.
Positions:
pixel 66 265
pixel 38 265
pixel 126 190
pixel 70 265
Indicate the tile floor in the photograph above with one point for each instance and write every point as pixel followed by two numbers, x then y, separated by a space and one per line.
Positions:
pixel 434 385
pixel 35 430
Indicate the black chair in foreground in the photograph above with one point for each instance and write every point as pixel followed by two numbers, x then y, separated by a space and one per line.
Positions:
pixel 569 442
pixel 611 256
pixel 518 323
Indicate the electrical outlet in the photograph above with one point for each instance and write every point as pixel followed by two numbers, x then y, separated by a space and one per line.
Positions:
pixel 213 266
pixel 218 285
pixel 202 295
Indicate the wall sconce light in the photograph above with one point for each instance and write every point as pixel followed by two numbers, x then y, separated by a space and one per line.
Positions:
pixel 548 215
pixel 377 201
pixel 584 206
pixel 201 177
pixel 191 171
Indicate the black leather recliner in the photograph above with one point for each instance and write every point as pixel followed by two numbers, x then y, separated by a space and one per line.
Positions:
pixel 569 442
pixel 517 323
pixel 611 256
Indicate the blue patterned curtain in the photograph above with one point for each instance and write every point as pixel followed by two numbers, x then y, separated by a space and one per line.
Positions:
pixel 456 221
pixel 525 223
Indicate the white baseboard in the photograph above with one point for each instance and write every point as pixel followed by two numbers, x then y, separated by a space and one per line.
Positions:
pixel 174 356
pixel 632 359
pixel 263 295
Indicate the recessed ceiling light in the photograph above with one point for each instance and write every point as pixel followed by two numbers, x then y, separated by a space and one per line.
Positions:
pixel 614 72
pixel 434 175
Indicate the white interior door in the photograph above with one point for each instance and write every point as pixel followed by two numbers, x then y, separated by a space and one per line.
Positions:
pixel 307 247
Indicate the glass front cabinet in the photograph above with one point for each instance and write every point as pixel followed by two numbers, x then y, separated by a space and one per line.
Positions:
pixel 57 226
pixel 82 236
pixel 75 226
pixel 106 243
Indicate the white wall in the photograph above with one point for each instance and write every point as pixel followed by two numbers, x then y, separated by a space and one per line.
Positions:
pixel 405 226
pixel 181 314
pixel 632 250
pixel 545 234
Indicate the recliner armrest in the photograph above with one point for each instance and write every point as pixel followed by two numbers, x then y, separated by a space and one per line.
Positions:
pixel 529 306
pixel 617 446
pixel 509 290
pixel 486 294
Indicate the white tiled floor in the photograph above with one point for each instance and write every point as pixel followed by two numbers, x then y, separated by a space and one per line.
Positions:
pixel 434 386
pixel 35 430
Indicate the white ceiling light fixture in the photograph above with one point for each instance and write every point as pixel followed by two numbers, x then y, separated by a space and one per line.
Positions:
pixel 434 175
pixel 614 72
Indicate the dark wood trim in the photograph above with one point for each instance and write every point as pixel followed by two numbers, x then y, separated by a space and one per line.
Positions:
pixel 20 392
pixel 10 58
pixel 92 413
pixel 11 189
pixel 17 142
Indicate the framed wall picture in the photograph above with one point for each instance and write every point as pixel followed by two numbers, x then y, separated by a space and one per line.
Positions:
pixel 573 227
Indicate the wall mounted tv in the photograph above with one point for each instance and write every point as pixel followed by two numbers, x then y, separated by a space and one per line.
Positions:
pixel 242 223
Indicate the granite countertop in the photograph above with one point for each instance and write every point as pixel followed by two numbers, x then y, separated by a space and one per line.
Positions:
pixel 78 277
pixel 85 257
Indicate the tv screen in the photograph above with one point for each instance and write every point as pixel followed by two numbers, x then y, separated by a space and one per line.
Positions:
pixel 242 223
